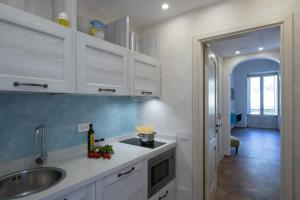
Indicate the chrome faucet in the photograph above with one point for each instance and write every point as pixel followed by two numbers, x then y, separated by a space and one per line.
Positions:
pixel 42 159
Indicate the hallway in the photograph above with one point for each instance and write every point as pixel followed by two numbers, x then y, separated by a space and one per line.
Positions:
pixel 254 174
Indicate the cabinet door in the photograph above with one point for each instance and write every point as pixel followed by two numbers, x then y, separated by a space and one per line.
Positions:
pixel 86 193
pixel 102 67
pixel 145 75
pixel 166 193
pixel 36 55
pixel 127 184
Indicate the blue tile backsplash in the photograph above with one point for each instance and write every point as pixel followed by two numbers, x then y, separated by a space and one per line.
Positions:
pixel 21 113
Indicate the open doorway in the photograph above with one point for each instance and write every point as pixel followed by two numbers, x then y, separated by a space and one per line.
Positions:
pixel 243 115
pixel 203 186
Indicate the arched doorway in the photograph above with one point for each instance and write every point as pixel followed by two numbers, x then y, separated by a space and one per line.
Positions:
pixel 267 62
pixel 259 111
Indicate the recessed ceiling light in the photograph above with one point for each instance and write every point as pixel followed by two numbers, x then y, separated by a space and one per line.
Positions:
pixel 165 6
pixel 237 52
pixel 260 48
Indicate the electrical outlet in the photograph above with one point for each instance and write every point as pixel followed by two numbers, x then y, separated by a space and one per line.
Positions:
pixel 83 127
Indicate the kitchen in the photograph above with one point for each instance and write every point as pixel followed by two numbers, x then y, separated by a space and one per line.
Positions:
pixel 74 94
pixel 65 64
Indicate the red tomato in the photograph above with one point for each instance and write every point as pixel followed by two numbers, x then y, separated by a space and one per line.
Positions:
pixel 90 154
pixel 109 156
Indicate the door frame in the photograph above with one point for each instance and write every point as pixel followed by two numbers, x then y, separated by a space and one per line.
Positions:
pixel 287 107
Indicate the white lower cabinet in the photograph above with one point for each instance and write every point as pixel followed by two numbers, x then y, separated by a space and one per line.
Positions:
pixel 166 193
pixel 85 193
pixel 126 184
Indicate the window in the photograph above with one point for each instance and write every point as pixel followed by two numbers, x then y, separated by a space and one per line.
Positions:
pixel 254 87
pixel 263 94
pixel 270 92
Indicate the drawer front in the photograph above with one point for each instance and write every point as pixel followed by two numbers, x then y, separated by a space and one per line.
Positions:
pixel 123 173
pixel 127 184
pixel 128 188
pixel 166 193
pixel 85 193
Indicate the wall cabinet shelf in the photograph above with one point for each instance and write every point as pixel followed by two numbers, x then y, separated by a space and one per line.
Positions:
pixel 145 75
pixel 46 9
pixel 35 55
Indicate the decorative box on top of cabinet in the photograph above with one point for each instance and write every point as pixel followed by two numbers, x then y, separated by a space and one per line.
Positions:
pixel 102 67
pixel 144 75
pixel 36 55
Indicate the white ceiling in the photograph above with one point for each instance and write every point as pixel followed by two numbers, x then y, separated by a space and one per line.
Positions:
pixel 247 43
pixel 146 12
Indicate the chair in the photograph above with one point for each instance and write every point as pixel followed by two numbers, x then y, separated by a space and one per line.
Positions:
pixel 235 142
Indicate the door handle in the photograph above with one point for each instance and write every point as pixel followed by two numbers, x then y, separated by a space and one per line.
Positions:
pixel 164 196
pixel 219 124
pixel 107 90
pixel 17 84
pixel 146 92
pixel 125 173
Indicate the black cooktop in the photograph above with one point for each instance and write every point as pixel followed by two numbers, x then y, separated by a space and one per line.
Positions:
pixel 137 142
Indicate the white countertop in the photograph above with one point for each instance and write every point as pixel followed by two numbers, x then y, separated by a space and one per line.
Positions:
pixel 82 170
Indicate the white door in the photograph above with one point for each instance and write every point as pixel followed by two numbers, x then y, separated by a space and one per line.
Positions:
pixel 211 154
pixel 36 55
pixel 102 67
pixel 85 193
pixel 145 75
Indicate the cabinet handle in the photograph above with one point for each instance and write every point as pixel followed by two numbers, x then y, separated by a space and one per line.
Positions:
pixel 122 174
pixel 107 90
pixel 16 84
pixel 164 196
pixel 146 92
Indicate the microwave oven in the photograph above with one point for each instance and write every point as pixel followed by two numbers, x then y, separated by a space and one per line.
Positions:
pixel 161 171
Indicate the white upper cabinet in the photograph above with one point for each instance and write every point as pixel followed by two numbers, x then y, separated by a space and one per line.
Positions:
pixel 102 67
pixel 35 55
pixel 144 75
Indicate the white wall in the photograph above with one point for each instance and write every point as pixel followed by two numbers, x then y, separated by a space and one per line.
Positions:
pixel 175 36
pixel 297 99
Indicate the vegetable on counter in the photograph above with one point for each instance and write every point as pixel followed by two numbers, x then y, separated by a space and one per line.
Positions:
pixel 102 151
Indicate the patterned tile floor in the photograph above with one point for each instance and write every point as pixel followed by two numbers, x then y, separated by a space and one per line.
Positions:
pixel 254 174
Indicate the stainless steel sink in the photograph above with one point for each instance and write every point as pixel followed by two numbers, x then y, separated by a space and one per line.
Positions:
pixel 29 181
